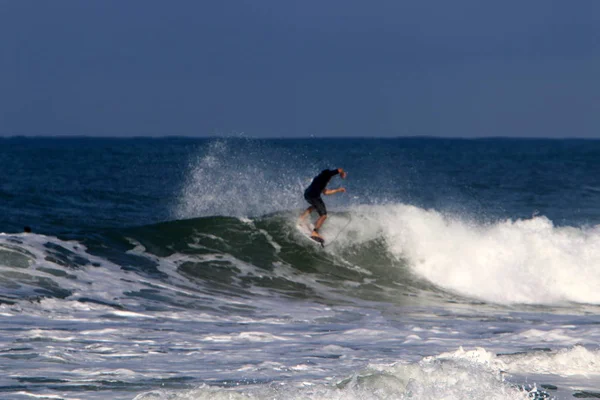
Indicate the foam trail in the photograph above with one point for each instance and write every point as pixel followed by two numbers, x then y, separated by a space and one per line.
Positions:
pixel 458 375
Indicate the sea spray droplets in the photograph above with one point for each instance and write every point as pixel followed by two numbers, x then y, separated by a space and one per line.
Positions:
pixel 240 178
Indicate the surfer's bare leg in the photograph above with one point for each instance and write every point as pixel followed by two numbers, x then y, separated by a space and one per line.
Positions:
pixel 318 224
pixel 305 214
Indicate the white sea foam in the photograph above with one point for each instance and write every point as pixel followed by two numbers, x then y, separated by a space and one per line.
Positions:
pixel 524 261
pixel 573 361
pixel 95 276
pixel 462 376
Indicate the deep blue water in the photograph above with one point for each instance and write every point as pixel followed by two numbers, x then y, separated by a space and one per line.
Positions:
pixel 58 185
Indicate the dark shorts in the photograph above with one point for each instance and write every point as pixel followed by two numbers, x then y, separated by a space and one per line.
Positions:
pixel 317 203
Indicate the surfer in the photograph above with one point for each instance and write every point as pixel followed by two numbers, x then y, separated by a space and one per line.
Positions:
pixel 312 194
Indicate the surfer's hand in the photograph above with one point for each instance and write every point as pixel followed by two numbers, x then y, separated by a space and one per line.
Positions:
pixel 342 190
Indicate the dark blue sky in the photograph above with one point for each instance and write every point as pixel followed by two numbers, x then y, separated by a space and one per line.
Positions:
pixel 300 68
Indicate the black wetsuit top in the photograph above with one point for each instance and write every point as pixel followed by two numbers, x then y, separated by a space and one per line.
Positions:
pixel 319 183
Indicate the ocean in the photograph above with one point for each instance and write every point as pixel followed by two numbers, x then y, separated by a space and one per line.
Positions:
pixel 173 268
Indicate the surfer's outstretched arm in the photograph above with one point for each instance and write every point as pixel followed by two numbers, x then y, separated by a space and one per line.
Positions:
pixel 334 191
pixel 343 174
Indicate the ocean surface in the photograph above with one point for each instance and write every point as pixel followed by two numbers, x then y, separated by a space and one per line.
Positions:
pixel 173 269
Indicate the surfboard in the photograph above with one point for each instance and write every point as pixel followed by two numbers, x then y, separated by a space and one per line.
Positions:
pixel 306 231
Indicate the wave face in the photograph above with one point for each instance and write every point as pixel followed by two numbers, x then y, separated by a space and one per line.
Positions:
pixel 174 268
pixel 227 255
pixel 380 253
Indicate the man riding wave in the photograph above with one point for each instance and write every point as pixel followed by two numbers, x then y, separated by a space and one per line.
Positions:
pixel 312 195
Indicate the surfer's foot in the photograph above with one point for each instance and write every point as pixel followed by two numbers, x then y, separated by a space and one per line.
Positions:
pixel 315 235
pixel 317 238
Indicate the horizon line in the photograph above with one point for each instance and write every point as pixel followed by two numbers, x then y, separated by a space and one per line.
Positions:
pixel 83 136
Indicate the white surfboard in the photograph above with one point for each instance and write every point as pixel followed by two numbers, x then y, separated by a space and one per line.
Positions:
pixel 307 231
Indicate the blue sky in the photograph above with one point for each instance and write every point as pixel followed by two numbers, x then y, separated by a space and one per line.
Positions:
pixel 278 68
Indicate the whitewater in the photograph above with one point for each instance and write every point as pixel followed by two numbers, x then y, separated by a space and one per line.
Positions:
pixel 173 269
